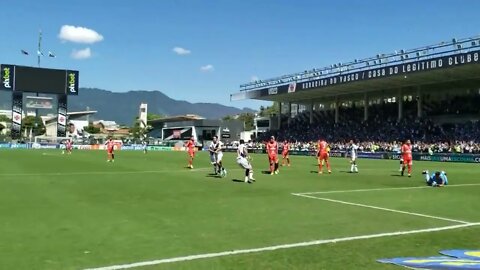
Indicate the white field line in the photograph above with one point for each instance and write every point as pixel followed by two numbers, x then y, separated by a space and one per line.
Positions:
pixel 378 189
pixel 108 172
pixel 383 209
pixel 278 247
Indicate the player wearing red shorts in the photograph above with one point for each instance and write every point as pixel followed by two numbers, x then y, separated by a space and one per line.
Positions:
pixel 110 148
pixel 322 156
pixel 285 156
pixel 68 146
pixel 190 145
pixel 272 151
pixel 407 157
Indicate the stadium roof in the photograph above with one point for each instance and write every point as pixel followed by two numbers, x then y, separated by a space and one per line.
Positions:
pixel 74 115
pixel 70 116
pixel 458 77
pixel 178 118
pixel 455 63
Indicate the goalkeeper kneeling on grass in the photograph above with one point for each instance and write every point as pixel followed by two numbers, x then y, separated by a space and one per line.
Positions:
pixel 436 179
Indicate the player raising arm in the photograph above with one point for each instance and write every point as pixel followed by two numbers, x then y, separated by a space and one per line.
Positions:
pixel 242 160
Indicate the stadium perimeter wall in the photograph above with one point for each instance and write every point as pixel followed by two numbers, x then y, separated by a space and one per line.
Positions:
pixel 439 157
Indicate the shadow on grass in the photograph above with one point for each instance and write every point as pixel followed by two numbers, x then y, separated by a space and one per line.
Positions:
pixel 239 181
pixel 349 172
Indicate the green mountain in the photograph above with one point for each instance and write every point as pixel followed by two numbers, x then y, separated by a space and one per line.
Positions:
pixel 123 107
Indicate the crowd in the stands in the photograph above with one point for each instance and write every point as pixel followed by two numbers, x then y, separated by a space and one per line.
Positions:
pixel 382 131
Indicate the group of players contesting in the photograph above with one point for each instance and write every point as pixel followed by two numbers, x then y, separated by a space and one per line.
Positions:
pixel 436 179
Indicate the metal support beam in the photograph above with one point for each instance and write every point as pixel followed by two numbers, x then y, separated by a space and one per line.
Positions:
pixel 311 112
pixel 289 112
pixel 365 108
pixel 279 115
pixel 337 116
pixel 419 103
pixel 400 104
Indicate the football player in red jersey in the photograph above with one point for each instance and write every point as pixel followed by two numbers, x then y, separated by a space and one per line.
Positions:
pixel 110 148
pixel 68 146
pixel 407 157
pixel 272 151
pixel 285 150
pixel 190 145
pixel 322 156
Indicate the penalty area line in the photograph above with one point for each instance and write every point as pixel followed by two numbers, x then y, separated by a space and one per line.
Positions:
pixel 378 189
pixel 383 209
pixel 278 247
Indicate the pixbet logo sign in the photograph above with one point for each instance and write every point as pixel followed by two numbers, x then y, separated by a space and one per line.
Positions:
pixel 71 83
pixel 6 77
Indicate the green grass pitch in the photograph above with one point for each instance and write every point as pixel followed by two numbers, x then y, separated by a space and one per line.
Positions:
pixel 78 211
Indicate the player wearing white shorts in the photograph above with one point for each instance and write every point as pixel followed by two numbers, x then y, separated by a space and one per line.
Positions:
pixel 353 151
pixel 242 160
pixel 397 150
pixel 216 156
pixel 144 147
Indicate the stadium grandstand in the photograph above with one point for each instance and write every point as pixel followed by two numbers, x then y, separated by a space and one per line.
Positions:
pixel 429 95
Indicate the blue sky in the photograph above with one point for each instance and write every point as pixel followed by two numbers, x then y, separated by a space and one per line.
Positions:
pixel 232 40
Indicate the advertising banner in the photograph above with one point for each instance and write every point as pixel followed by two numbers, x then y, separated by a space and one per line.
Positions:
pixel 7 77
pixel 40 80
pixel 72 82
pixel 39 103
pixel 17 108
pixel 62 116
pixel 465 158
pixel 4 145
pixel 372 155
pixel 19 146
pixel 159 148
pixel 132 147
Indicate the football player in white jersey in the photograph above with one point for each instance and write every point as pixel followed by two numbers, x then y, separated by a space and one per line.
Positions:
pixel 352 151
pixel 144 146
pixel 396 149
pixel 216 156
pixel 242 160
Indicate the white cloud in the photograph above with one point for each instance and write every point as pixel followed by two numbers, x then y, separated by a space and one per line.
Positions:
pixel 181 51
pixel 82 54
pixel 207 68
pixel 78 34
pixel 254 78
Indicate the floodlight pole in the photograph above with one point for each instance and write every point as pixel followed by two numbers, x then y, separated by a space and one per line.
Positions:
pixel 39 51
pixel 39 57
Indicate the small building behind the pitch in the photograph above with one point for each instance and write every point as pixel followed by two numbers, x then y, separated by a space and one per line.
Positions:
pixel 184 127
